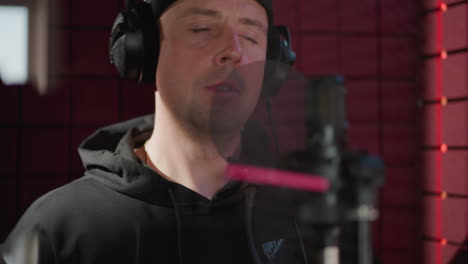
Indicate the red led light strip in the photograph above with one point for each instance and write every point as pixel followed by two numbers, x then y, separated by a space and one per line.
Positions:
pixel 443 241
pixel 443 147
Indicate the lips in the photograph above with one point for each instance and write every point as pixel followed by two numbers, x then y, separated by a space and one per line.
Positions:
pixel 226 88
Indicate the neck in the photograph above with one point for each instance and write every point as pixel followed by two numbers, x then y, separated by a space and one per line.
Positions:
pixel 188 157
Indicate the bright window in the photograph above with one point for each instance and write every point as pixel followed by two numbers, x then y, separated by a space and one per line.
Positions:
pixel 14 44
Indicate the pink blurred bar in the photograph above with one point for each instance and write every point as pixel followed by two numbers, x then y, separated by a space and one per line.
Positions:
pixel 281 178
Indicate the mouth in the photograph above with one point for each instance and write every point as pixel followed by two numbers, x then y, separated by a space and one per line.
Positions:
pixel 226 88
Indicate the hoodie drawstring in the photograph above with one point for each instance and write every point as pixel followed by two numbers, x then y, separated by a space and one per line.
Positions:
pixel 179 225
pixel 301 243
pixel 249 204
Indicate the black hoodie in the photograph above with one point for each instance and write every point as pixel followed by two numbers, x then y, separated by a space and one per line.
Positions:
pixel 121 211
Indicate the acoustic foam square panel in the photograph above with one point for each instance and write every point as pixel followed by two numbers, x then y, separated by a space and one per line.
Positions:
pixel 95 102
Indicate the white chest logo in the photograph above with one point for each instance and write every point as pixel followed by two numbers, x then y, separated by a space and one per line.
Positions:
pixel 271 248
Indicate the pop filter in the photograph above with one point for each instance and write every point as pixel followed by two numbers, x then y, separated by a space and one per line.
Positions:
pixel 290 146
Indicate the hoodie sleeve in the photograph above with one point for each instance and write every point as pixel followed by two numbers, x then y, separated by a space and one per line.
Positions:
pixel 29 241
pixel 28 247
pixel 2 261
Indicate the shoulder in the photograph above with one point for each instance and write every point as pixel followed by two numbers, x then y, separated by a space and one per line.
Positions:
pixel 82 212
pixel 74 208
pixel 65 200
pixel 80 202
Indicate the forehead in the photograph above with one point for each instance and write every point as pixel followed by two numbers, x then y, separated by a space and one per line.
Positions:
pixel 249 9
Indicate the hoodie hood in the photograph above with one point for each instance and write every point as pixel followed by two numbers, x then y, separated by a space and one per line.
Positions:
pixel 108 157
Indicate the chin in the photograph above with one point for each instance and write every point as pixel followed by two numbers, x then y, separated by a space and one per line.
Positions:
pixel 226 125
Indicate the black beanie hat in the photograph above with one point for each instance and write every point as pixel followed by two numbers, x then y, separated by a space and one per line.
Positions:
pixel 159 6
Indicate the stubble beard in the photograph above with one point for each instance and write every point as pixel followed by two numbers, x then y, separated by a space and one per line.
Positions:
pixel 210 121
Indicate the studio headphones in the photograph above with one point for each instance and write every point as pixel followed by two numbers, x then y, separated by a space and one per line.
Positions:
pixel 135 39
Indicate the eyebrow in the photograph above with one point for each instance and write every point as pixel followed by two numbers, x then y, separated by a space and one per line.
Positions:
pixel 200 11
pixel 255 23
pixel 216 14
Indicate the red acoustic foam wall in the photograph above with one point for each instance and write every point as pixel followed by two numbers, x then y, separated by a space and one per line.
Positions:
pixel 359 56
pixel 435 253
pixel 90 53
pixel 288 15
pixel 100 14
pixel 453 124
pixel 454 70
pixel 398 16
pixel 50 108
pixel 9 104
pixel 453 23
pixel 95 101
pixel 398 144
pixel 319 16
pixel 364 137
pixel 137 99
pixel 8 203
pixel 453 163
pixel 355 17
pixel 405 256
pixel 444 101
pixel 8 155
pixel 399 57
pixel 36 142
pixel 320 55
pixel 431 4
pixel 399 103
pixel 405 180
pixel 401 231
pixel 453 216
pixel 361 101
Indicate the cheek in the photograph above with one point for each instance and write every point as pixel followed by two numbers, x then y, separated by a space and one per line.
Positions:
pixel 181 57
pixel 168 73
pixel 173 65
pixel 179 72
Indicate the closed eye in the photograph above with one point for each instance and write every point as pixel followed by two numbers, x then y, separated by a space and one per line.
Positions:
pixel 251 40
pixel 198 30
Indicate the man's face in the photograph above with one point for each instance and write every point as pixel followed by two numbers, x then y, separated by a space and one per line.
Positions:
pixel 211 62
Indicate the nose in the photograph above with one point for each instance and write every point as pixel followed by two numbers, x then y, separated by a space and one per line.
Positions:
pixel 231 51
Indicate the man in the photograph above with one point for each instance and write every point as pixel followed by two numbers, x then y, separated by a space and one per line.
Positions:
pixel 154 190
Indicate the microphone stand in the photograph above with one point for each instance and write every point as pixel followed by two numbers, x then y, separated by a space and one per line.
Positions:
pixel 354 179
pixel 363 174
pixel 319 214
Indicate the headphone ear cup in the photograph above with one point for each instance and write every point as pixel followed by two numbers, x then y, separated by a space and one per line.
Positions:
pixel 132 47
pixel 288 56
pixel 117 55
pixel 280 58
pixel 134 51
pixel 150 40
pixel 117 45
